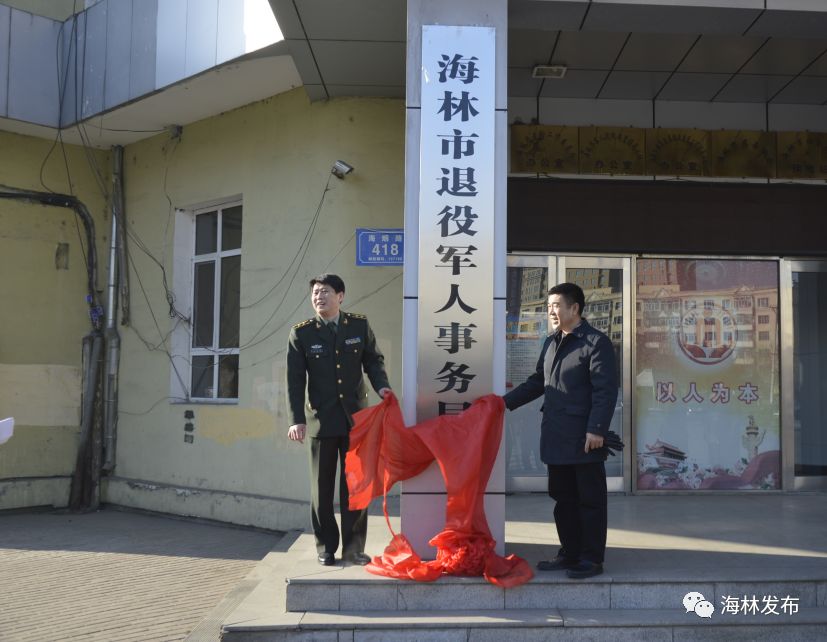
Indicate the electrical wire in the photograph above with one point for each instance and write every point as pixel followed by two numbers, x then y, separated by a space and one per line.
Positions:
pixel 163 337
pixel 301 302
pixel 127 233
pixel 306 246
pixel 357 301
pixel 152 407
pixel 174 312
pixel 58 137
pixel 293 267
pixel 130 131
pixel 309 233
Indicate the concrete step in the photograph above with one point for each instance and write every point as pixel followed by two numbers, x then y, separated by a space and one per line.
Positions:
pixel 564 625
pixel 353 589
pixel 638 599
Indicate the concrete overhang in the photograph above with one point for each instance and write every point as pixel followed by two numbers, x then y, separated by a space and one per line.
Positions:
pixel 248 79
pixel 721 51
pixel 765 51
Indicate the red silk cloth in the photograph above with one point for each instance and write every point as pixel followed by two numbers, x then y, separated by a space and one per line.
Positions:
pixel 383 451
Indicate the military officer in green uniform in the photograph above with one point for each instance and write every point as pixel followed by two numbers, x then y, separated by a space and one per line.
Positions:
pixel 325 359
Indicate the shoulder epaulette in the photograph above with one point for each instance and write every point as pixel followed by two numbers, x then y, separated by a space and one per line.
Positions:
pixel 302 324
pixel 356 316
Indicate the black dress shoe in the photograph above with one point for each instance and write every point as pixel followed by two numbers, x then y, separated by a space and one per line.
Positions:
pixel 327 559
pixel 360 559
pixel 557 564
pixel 584 569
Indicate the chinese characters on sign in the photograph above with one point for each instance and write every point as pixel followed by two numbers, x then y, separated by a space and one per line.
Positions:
pixel 456 219
pixel 379 247
pixel 719 393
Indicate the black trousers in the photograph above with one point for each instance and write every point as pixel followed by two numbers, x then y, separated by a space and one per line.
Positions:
pixel 580 512
pixel 325 455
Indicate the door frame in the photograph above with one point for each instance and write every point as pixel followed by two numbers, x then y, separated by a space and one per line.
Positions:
pixel 530 483
pixel 556 264
pixel 789 480
pixel 623 263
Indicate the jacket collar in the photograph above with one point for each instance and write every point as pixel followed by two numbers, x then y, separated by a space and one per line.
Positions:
pixel 580 331
pixel 337 319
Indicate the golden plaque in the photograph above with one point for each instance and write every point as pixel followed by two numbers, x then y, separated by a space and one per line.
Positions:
pixel 677 152
pixel 802 155
pixel 543 149
pixel 612 150
pixel 741 154
pixel 554 149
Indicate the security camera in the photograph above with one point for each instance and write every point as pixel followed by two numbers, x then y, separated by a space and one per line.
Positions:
pixel 341 169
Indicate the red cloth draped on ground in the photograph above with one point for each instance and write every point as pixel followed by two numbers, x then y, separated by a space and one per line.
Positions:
pixel 383 451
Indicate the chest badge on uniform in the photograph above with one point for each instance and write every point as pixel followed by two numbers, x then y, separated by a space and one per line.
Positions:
pixel 317 348
pixel 352 340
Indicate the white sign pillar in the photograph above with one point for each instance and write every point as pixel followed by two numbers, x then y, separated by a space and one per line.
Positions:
pixel 455 226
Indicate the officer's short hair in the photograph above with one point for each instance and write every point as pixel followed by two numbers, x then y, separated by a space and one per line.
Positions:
pixel 571 293
pixel 332 280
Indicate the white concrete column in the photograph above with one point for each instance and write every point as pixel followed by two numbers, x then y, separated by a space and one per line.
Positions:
pixel 424 498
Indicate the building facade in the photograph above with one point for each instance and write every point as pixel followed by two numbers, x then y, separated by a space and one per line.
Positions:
pixel 669 157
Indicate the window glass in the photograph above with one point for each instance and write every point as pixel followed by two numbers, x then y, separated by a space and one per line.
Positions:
pixel 216 304
pixel 203 304
pixel 809 368
pixel 231 228
pixel 206 233
pixel 526 330
pixel 228 376
pixel 229 302
pixel 603 289
pixel 202 381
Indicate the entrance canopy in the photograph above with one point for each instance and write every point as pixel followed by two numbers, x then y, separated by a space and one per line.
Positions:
pixel 722 51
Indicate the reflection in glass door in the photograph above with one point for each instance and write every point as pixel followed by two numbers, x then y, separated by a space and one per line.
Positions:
pixel 526 329
pixel 809 373
pixel 606 284
pixel 706 374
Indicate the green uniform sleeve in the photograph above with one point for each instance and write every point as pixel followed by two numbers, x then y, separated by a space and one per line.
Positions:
pixel 296 380
pixel 373 361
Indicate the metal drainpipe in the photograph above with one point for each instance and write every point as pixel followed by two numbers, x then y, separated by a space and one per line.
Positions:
pixel 85 489
pixel 111 336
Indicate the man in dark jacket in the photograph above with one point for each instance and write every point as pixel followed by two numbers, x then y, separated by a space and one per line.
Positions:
pixel 577 374
pixel 325 357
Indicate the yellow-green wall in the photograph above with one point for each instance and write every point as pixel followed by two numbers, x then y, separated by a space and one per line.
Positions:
pixel 54 9
pixel 43 316
pixel 277 155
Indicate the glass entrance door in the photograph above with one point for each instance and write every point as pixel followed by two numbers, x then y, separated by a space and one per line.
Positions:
pixel 606 285
pixel 526 329
pixel 606 282
pixel 805 368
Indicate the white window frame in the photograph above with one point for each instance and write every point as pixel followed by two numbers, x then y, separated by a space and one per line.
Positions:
pixel 184 261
